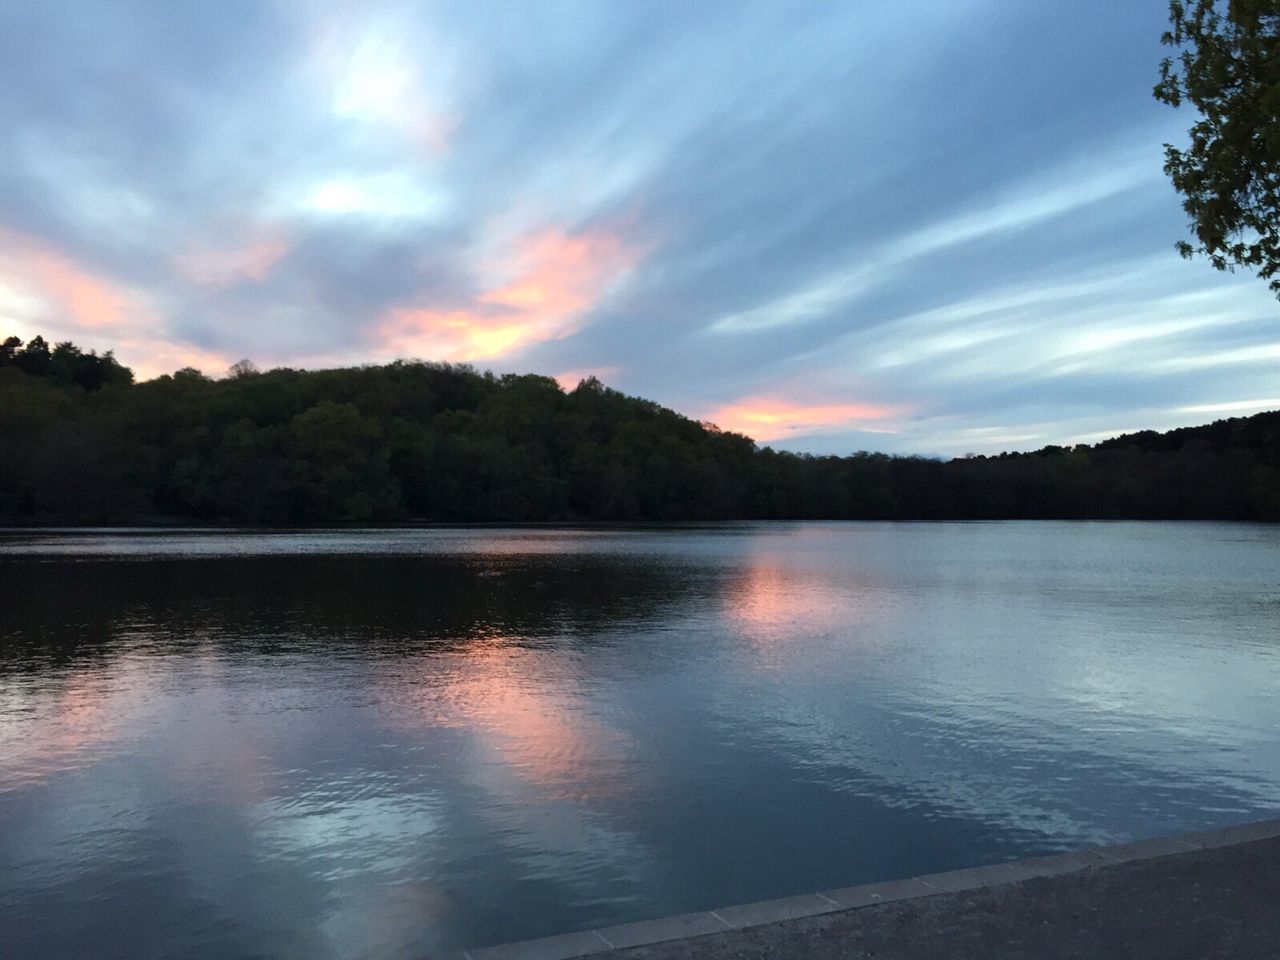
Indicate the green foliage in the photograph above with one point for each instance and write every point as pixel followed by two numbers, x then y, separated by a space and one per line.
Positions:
pixel 1228 67
pixel 65 363
pixel 437 442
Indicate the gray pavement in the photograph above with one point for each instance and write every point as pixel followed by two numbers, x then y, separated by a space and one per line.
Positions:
pixel 1198 897
pixel 1222 903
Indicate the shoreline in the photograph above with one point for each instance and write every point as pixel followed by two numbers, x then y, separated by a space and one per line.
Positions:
pixel 1177 867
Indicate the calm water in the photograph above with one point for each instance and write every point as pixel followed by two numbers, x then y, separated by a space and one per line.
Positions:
pixel 393 743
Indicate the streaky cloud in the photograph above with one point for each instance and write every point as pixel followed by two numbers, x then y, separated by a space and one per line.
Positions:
pixel 1049 196
pixel 550 282
pixel 767 418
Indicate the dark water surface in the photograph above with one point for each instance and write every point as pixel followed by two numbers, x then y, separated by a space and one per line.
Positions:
pixel 390 743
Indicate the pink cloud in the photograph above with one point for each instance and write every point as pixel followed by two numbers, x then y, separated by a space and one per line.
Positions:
pixel 56 296
pixel 226 266
pixel 772 418
pixel 63 289
pixel 555 279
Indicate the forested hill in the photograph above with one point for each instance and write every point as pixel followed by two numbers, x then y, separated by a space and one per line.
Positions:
pixel 81 442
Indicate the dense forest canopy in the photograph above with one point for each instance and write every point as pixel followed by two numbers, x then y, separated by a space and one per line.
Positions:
pixel 427 441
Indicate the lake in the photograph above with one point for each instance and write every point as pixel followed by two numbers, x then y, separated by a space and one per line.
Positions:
pixel 392 743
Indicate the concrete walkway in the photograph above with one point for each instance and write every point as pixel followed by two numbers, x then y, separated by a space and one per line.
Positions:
pixel 1199 896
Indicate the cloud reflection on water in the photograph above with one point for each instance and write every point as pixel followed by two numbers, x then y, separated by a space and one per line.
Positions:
pixel 523 709
pixel 382 751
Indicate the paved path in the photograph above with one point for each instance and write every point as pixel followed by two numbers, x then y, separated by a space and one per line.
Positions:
pixel 1198 897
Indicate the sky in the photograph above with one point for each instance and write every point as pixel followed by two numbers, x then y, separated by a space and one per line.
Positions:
pixel 931 226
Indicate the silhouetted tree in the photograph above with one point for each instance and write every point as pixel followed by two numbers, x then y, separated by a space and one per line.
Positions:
pixel 1228 67
pixel 446 443
pixel 35 358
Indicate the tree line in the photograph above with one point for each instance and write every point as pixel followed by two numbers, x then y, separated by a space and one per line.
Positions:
pixel 83 443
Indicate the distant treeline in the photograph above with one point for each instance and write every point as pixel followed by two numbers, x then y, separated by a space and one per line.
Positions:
pixel 81 442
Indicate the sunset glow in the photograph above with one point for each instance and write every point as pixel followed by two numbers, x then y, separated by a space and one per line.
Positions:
pixel 554 280
pixel 164 357
pixel 569 379
pixel 60 291
pixel 771 418
pixel 553 191
pixel 573 478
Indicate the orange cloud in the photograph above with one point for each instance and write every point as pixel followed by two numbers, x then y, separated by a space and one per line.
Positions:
pixel 60 286
pixel 47 292
pixel 769 418
pixel 555 279
pixel 228 266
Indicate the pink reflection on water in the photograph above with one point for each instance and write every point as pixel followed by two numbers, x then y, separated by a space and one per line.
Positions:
pixel 222 756
pixel 59 723
pixel 525 709
pixel 774 604
pixel 52 725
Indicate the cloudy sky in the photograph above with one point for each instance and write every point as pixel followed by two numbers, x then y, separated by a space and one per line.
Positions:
pixel 932 226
